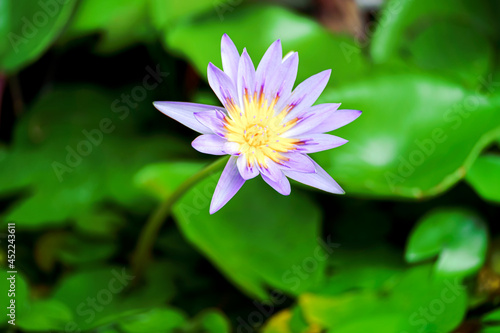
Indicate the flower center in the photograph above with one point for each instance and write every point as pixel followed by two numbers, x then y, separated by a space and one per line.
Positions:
pixel 258 129
pixel 257 135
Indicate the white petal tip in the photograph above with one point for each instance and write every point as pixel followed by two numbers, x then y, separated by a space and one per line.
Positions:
pixel 337 190
pixel 157 104
pixel 214 208
pixel 357 113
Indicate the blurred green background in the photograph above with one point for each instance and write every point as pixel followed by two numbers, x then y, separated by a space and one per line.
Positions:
pixel 85 158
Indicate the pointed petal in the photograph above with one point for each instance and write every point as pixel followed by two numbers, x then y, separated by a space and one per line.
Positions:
pixel 271 171
pixel 222 85
pixel 297 162
pixel 287 77
pixel 229 183
pixel 319 142
pixel 209 144
pixel 230 58
pixel 212 119
pixel 267 74
pixel 320 179
pixel 184 113
pixel 336 120
pixel 307 93
pixel 246 78
pixel 282 186
pixel 247 170
pixel 310 119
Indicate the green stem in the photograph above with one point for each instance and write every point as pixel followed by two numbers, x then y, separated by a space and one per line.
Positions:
pixel 142 253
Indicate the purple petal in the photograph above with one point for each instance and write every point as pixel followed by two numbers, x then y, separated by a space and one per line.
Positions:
pixel 246 77
pixel 230 58
pixel 287 76
pixel 267 75
pixel 311 118
pixel 222 85
pixel 231 148
pixel 336 120
pixel 229 183
pixel 184 113
pixel 282 186
pixel 307 93
pixel 320 179
pixel 209 144
pixel 271 171
pixel 319 142
pixel 297 162
pixel 213 119
pixel 246 171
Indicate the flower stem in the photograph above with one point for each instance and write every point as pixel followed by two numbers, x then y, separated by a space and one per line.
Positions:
pixel 142 253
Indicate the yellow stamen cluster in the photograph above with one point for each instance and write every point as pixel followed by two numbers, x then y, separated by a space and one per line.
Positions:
pixel 257 128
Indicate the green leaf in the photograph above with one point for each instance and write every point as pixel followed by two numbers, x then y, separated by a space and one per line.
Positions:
pixel 121 23
pixel 162 179
pixel 460 238
pixel 403 308
pixel 338 311
pixel 484 177
pixel 78 160
pixel 99 222
pixel 164 13
pixel 417 136
pixel 418 294
pixel 30 315
pixel 80 250
pixel 99 297
pixel 162 320
pixel 360 270
pixel 492 329
pixel 435 49
pixel 108 330
pixel 45 315
pixel 29 28
pixel 272 239
pixel 491 316
pixel 413 28
pixel 212 321
pixel 256 28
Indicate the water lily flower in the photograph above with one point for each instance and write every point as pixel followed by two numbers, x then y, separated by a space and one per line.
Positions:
pixel 266 126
